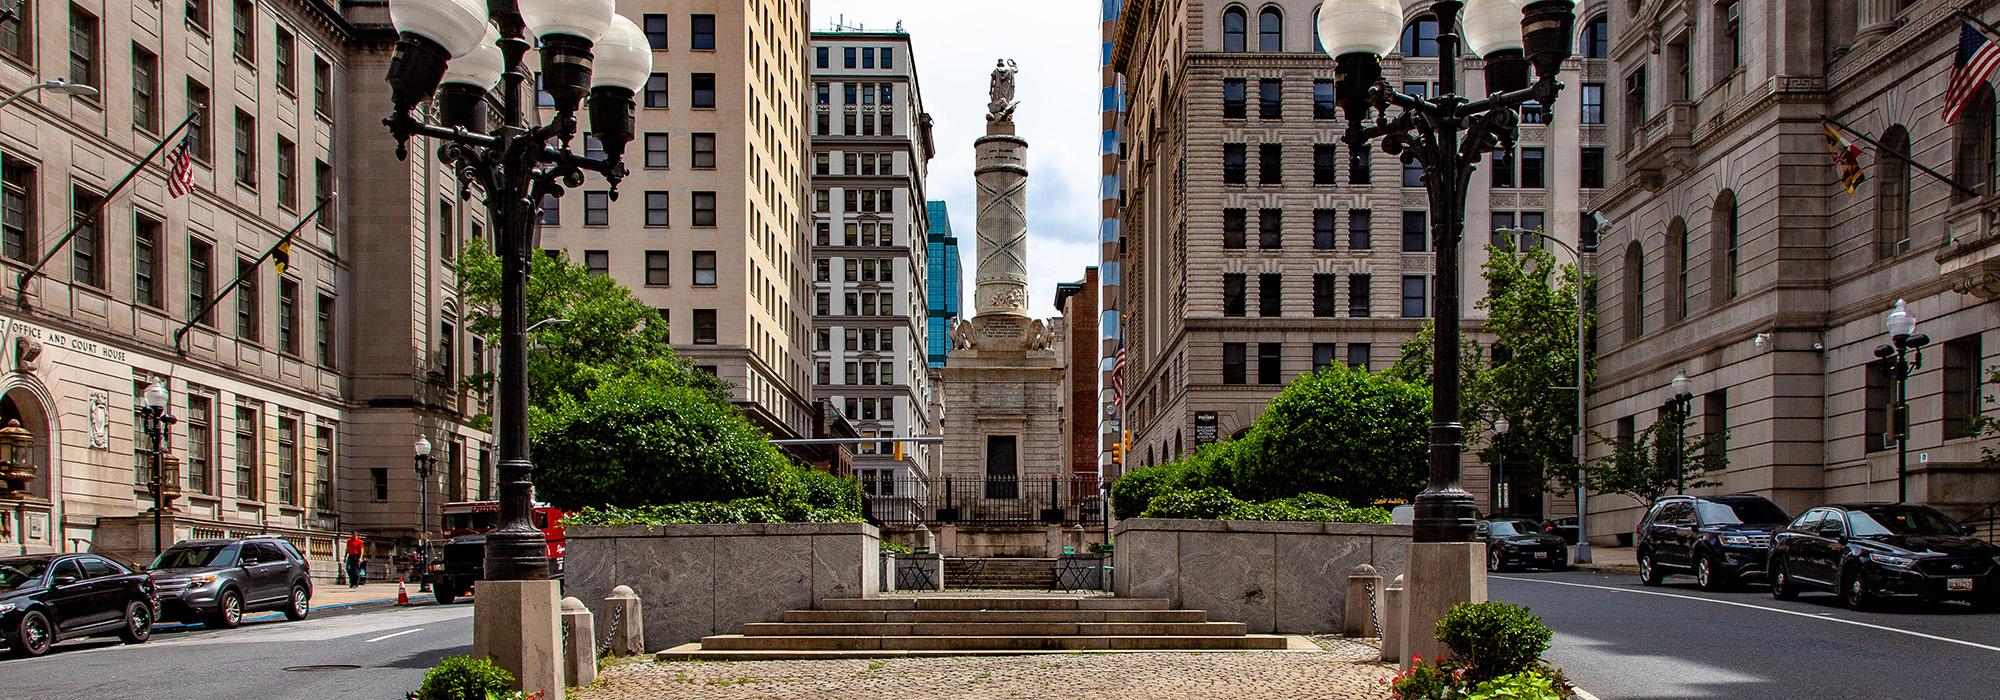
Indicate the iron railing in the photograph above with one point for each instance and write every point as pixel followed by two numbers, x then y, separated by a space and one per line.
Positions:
pixel 1985 524
pixel 990 499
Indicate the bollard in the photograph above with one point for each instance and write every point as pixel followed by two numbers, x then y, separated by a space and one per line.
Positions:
pixel 1358 617
pixel 926 540
pixel 625 634
pixel 579 643
pixel 1392 622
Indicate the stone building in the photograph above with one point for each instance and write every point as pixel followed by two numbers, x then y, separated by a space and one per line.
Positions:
pixel 1109 291
pixel 872 147
pixel 1256 246
pixel 286 424
pixel 1736 257
pixel 711 226
pixel 1077 302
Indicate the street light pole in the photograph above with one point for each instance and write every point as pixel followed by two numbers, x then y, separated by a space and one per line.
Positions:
pixel 1582 555
pixel 425 462
pixel 153 412
pixel 1679 405
pixel 1905 354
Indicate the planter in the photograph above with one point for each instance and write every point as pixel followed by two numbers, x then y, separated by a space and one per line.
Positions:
pixel 1275 577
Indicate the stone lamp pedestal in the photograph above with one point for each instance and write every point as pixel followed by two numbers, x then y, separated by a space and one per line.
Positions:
pixel 517 625
pixel 1440 575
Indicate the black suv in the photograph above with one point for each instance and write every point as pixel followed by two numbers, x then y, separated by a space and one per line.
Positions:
pixel 1514 542
pixel 1869 552
pixel 47 598
pixel 1719 539
pixel 217 581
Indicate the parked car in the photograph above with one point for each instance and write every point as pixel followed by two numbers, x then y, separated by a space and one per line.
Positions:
pixel 1561 527
pixel 216 581
pixel 1519 542
pixel 1872 552
pixel 47 598
pixel 1720 540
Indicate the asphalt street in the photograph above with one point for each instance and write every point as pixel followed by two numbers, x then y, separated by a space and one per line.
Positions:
pixel 1621 640
pixel 373 653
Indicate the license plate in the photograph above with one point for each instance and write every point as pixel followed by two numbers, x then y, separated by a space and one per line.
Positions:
pixel 1541 555
pixel 1958 584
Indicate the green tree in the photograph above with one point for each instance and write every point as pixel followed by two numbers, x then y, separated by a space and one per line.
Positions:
pixel 636 441
pixel 1644 470
pixel 1346 433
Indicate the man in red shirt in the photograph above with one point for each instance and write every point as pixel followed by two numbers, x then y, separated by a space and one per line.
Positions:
pixel 354 574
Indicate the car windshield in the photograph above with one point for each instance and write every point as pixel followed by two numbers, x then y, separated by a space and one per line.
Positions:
pixel 1899 521
pixel 196 557
pixel 15 573
pixel 1736 512
pixel 1509 528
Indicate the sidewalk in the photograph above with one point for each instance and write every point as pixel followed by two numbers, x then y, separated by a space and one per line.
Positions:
pixel 1611 560
pixel 330 595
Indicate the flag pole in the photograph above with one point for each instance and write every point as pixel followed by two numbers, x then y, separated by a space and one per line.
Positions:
pixel 1983 26
pixel 96 212
pixel 181 335
pixel 1899 155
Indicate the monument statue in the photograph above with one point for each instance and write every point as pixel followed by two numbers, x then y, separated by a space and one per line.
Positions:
pixel 1000 108
pixel 1001 173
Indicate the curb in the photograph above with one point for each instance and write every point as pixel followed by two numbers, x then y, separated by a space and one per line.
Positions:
pixel 1620 568
pixel 1582 694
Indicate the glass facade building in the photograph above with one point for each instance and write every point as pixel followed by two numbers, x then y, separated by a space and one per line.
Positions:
pixel 941 282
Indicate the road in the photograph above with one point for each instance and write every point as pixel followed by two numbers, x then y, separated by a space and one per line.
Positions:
pixel 1620 640
pixel 375 653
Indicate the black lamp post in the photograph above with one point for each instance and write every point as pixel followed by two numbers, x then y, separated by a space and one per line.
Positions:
pixel 1905 354
pixel 158 424
pixel 516 165
pixel 1679 404
pixel 425 464
pixel 1448 136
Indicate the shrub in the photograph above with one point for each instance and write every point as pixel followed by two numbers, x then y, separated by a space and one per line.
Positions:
pixel 763 509
pixel 639 442
pixel 1427 680
pixel 895 547
pixel 822 490
pixel 465 678
pixel 1346 433
pixel 1134 490
pixel 1493 639
pixel 1211 503
pixel 1311 507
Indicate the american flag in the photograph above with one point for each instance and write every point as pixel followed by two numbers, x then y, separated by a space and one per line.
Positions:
pixel 1118 378
pixel 180 168
pixel 1977 57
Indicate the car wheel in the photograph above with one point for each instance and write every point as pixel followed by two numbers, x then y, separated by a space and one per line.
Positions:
pixel 300 604
pixel 1854 591
pixel 1706 576
pixel 446 591
pixel 138 623
pixel 1782 587
pixel 34 635
pixel 1648 574
pixel 228 611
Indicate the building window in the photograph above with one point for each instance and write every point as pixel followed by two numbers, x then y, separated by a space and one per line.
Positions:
pixel 1360 229
pixel 1234 105
pixel 1420 38
pixel 146 261
pixel 1357 295
pixel 1324 355
pixel 655 26
pixel 657 206
pixel 379 479
pixel 1234 223
pixel 1635 291
pixel 249 315
pixel 1270 30
pixel 1596 41
pixel 288 460
pixel 145 89
pixel 1235 29
pixel 704 326
pixel 704 91
pixel 1326 163
pixel 83 36
pixel 888 57
pixel 1636 103
pixel 822 60
pixel 1270 99
pixel 1270 363
pixel 1531 168
pixel 1677 255
pixel 1324 284
pixel 1414 297
pixel 1416 232
pixel 1892 195
pixel 283 47
pixel 1270 163
pixel 848 59
pixel 246 149
pixel 1233 294
pixel 323 190
pixel 1586 234
pixel 1590 167
pixel 656 150
pixel 197 103
pixel 200 442
pixel 1728 40
pixel 704 210
pixel 704 151
pixel 1727 246
pixel 17 36
pixel 1502 174
pixel 551 210
pixel 1962 377
pixel 201 280
pixel 1270 228
pixel 1413 174
pixel 1359 167
pixel 325 331
pixel 17 210
pixel 243 22
pixel 288 175
pixel 248 454
pixel 324 496
pixel 1358 355
pixel 1324 105
pixel 597 262
pixel 1323 228
pixel 702 32
pixel 1591 103
pixel 597 208
pixel 87 247
pixel 1878 397
pixel 288 317
pixel 657 88
pixel 704 268
pixel 1270 294
pixel 1235 163
pixel 1233 363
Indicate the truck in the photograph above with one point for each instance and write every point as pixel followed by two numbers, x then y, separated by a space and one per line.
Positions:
pixel 462 562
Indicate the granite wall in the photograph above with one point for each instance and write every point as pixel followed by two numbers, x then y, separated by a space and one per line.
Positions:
pixel 1275 577
pixel 698 580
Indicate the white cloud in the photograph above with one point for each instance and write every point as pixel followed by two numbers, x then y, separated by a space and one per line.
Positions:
pixel 1056 43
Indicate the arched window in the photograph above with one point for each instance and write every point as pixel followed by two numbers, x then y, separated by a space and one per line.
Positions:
pixel 1270 30
pixel 1676 258
pixel 1420 38
pixel 1596 39
pixel 1317 47
pixel 1635 291
pixel 1973 164
pixel 1725 249
pixel 1234 25
pixel 1892 194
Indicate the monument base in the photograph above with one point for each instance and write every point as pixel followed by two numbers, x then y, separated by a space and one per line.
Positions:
pixel 1439 575
pixel 516 624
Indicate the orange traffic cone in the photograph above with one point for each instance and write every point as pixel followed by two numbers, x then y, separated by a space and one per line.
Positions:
pixel 402 593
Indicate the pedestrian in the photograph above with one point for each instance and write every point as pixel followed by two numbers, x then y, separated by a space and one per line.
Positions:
pixel 355 573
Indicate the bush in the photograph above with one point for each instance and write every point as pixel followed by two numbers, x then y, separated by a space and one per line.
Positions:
pixel 1311 507
pixel 895 547
pixel 1493 639
pixel 1427 680
pixel 763 509
pixel 1347 433
pixel 822 490
pixel 1134 490
pixel 1531 684
pixel 637 441
pixel 465 678
pixel 1211 503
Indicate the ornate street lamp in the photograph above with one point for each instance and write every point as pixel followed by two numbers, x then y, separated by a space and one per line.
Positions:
pixel 159 424
pixel 17 457
pixel 1679 403
pixel 1500 494
pixel 586 51
pixel 1449 136
pixel 1905 354
pixel 424 464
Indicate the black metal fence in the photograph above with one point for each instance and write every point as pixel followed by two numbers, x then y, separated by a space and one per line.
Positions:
pixel 983 500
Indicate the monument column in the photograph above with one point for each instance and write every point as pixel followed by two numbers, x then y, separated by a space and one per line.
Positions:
pixel 1002 174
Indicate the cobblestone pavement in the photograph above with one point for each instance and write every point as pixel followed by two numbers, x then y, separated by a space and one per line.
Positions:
pixel 1348 672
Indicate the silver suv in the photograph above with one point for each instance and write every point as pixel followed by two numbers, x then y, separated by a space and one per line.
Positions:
pixel 216 581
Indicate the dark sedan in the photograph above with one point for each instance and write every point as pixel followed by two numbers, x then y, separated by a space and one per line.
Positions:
pixel 47 598
pixel 1514 542
pixel 1872 552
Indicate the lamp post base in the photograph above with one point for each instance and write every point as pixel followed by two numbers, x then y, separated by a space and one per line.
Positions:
pixel 516 624
pixel 1439 575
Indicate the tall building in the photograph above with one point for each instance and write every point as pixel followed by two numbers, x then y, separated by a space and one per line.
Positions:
pixel 1110 241
pixel 1078 303
pixel 871 147
pixel 711 225
pixel 941 284
pixel 1257 246
pixel 285 424
pixel 1736 257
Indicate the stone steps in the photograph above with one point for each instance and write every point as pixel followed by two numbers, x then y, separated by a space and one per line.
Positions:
pixel 953 629
pixel 1078 616
pixel 947 602
pixel 994 642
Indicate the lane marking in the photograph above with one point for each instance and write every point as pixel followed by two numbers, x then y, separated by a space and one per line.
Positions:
pixel 1827 617
pixel 420 629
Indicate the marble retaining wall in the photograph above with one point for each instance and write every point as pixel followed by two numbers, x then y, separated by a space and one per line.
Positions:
pixel 698 580
pixel 1275 577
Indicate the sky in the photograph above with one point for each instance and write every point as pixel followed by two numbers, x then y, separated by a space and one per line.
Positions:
pixel 1056 44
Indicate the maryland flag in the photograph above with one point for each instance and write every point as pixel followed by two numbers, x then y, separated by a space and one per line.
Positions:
pixel 281 257
pixel 1846 159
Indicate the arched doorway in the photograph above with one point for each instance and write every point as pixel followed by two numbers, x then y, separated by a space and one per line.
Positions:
pixel 22 404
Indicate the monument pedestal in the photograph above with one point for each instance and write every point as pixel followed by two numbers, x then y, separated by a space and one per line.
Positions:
pixel 1439 575
pixel 516 624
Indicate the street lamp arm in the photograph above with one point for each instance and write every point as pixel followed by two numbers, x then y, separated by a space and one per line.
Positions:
pixel 1538 233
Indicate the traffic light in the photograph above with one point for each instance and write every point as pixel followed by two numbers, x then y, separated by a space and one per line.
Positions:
pixel 1117 453
pixel 899 450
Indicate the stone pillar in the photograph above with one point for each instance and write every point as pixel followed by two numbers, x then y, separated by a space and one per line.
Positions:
pixel 627 623
pixel 1392 621
pixel 1002 175
pixel 579 643
pixel 1442 574
pixel 515 624
pixel 945 543
pixel 1875 19
pixel 1053 541
pixel 1358 617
